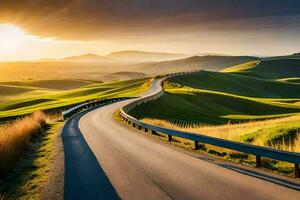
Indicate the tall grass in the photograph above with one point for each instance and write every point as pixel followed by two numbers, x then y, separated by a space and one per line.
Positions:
pixel 282 133
pixel 15 138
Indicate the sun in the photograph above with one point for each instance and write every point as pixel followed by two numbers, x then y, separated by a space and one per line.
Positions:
pixel 11 37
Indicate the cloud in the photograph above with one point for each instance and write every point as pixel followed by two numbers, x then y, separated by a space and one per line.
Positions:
pixel 110 19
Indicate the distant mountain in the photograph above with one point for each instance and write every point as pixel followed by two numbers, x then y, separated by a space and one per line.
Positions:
pixel 75 68
pixel 143 56
pixel 124 57
pixel 212 63
pixel 84 58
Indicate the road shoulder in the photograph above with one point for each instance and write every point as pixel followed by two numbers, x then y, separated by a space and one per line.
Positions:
pixel 54 187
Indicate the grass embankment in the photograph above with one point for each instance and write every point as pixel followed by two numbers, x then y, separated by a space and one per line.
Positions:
pixel 58 100
pixel 237 105
pixel 15 138
pixel 281 133
pixel 28 179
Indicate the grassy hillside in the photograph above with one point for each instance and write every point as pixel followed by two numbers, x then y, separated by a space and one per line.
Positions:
pixel 61 99
pixel 182 104
pixel 10 91
pixel 278 133
pixel 63 84
pixel 103 71
pixel 291 80
pixel 255 102
pixel 242 67
pixel 17 71
pixel 239 84
pixel 212 63
pixel 269 68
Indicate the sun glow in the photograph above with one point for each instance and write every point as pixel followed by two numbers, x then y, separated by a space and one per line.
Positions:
pixel 11 37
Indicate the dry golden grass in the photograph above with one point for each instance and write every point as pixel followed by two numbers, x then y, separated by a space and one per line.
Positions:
pixel 15 137
pixel 268 133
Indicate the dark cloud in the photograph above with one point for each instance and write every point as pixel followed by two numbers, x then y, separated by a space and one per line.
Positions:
pixel 100 19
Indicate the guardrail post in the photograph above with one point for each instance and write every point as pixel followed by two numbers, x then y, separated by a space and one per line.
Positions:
pixel 170 138
pixel 258 161
pixel 197 146
pixel 297 171
pixel 153 132
pixel 146 130
pixel 140 128
pixel 133 124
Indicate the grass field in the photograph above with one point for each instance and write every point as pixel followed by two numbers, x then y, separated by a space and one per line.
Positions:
pixel 54 100
pixel 236 104
pixel 280 133
pixel 59 84
pixel 34 88
pixel 31 175
pixel 15 138
pixel 183 104
pixel 269 68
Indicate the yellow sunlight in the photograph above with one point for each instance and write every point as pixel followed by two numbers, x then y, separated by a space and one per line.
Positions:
pixel 11 37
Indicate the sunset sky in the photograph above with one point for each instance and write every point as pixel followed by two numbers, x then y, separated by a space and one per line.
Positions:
pixel 33 29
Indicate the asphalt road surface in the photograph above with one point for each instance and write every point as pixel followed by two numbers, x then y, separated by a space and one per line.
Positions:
pixel 109 160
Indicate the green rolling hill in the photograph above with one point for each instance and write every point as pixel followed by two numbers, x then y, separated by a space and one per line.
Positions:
pixel 212 63
pixel 239 84
pixel 245 92
pixel 48 100
pixel 256 102
pixel 278 68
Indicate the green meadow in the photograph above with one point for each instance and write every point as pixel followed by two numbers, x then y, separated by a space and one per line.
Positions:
pixel 24 97
pixel 229 98
pixel 256 102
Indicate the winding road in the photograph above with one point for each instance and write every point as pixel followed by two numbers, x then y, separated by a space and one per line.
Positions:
pixel 106 159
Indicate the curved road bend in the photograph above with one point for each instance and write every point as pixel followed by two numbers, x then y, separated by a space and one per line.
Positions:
pixel 139 166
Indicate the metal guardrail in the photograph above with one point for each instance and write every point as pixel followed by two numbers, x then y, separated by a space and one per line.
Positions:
pixel 81 107
pixel 258 151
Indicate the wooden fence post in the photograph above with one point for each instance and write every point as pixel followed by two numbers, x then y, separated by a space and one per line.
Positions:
pixel 297 171
pixel 258 161
pixel 170 138
pixel 197 145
